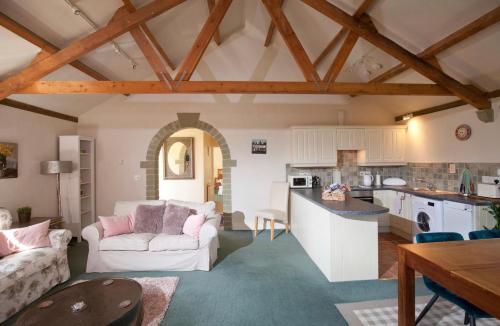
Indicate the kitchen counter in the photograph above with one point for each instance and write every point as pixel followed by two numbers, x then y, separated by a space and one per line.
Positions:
pixel 349 207
pixel 449 196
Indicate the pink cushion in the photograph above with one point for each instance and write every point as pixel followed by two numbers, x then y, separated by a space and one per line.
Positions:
pixel 116 225
pixel 30 237
pixel 193 225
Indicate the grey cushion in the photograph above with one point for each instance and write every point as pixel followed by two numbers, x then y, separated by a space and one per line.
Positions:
pixel 148 219
pixel 174 218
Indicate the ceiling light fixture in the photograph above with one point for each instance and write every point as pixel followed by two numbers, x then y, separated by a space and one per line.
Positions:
pixel 365 66
pixel 407 117
pixel 117 49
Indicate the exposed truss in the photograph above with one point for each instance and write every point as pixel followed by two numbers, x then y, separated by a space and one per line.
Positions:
pixel 35 109
pixel 130 19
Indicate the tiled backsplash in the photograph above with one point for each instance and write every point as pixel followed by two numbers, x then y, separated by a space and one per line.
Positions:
pixel 436 173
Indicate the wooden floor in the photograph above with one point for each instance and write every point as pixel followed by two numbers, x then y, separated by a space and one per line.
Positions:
pixel 388 255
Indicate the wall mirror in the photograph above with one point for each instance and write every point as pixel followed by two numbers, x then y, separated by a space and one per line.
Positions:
pixel 179 158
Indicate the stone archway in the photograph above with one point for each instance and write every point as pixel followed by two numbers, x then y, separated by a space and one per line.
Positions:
pixel 151 164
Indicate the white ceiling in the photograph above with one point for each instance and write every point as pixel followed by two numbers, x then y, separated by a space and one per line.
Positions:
pixel 413 24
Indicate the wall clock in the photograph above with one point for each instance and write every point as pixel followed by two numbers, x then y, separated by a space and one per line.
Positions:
pixel 463 132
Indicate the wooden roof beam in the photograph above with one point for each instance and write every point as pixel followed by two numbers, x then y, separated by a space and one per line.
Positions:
pixel 147 32
pixel 270 30
pixel 36 109
pixel 203 39
pixel 78 48
pixel 292 41
pixel 441 107
pixel 488 19
pixel 230 87
pixel 45 46
pixel 217 38
pixel 466 93
pixel 336 39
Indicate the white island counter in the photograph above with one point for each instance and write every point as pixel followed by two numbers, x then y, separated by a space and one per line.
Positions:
pixel 340 237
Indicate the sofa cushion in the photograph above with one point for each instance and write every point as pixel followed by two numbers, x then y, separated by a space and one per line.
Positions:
pixel 207 209
pixel 148 219
pixel 124 242
pixel 164 242
pixel 174 219
pixel 26 238
pixel 123 208
pixel 15 267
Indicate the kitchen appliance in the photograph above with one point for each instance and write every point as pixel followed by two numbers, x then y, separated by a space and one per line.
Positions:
pixel 458 217
pixel 378 180
pixel 427 215
pixel 490 187
pixel 367 180
pixel 364 195
pixel 300 181
pixel 316 181
pixel 394 182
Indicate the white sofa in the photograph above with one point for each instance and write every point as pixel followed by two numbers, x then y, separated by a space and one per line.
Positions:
pixel 27 275
pixel 153 252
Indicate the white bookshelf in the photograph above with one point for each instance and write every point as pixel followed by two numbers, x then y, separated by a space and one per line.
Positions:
pixel 78 187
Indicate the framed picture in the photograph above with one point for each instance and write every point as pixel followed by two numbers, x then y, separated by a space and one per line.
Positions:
pixel 259 146
pixel 8 160
pixel 179 158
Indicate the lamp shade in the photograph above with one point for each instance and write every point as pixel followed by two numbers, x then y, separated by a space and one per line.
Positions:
pixel 55 167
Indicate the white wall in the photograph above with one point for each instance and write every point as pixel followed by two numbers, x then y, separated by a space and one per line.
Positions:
pixel 431 138
pixel 189 189
pixel 36 136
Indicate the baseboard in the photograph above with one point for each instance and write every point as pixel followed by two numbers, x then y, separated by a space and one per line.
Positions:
pixel 384 229
pixel 401 233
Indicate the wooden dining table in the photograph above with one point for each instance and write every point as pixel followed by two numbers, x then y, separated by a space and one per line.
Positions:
pixel 470 269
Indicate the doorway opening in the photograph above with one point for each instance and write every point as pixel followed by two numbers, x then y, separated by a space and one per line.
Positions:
pixel 191 168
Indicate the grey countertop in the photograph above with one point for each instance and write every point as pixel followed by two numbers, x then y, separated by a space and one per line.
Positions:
pixel 450 196
pixel 349 207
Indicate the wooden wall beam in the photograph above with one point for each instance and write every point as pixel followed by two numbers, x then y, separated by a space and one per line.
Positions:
pixel 336 39
pixel 76 49
pixel 270 30
pixel 441 107
pixel 35 109
pixel 292 41
pixel 230 87
pixel 44 45
pixel 202 40
pixel 364 30
pixel 149 35
pixel 490 18
pixel 217 38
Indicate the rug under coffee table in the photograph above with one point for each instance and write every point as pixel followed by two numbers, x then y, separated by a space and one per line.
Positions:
pixel 107 301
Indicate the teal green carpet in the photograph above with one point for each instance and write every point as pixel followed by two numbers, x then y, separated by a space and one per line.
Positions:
pixel 257 283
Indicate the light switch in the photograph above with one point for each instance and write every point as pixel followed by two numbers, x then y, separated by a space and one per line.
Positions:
pixel 137 177
pixel 452 169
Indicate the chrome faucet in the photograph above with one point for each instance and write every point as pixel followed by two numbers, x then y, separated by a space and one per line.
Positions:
pixel 429 185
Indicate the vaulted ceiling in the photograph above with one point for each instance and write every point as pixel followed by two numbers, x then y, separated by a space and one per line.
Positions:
pixel 415 25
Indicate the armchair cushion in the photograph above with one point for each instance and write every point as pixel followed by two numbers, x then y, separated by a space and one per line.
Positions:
pixel 30 237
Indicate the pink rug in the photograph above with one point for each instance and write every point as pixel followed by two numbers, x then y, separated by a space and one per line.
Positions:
pixel 157 293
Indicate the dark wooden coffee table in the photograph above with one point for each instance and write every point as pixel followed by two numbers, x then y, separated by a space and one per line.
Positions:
pixel 102 304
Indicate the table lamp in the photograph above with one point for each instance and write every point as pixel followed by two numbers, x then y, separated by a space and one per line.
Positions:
pixel 56 167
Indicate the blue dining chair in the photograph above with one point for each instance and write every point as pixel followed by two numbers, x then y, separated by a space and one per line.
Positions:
pixel 484 234
pixel 471 312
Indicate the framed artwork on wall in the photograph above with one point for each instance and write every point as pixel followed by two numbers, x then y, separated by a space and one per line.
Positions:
pixel 179 158
pixel 8 160
pixel 259 146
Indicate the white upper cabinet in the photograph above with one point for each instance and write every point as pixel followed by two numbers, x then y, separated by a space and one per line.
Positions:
pixel 314 146
pixel 304 144
pixel 383 146
pixel 350 139
pixel 327 146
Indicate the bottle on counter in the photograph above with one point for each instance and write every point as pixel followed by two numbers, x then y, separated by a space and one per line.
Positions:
pixel 378 180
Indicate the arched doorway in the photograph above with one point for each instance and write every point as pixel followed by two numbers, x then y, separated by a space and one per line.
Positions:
pixel 151 164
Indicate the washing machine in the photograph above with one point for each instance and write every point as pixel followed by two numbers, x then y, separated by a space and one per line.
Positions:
pixel 427 215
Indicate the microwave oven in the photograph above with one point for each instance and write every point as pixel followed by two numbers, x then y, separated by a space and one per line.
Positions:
pixel 300 181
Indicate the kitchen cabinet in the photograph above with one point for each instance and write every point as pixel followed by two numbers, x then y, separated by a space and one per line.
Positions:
pixel 398 220
pixel 383 198
pixel 314 146
pixel 383 146
pixel 350 139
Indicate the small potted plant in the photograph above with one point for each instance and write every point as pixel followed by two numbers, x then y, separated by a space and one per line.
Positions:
pixel 24 214
pixel 494 210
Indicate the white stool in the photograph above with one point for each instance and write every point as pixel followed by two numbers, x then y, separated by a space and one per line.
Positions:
pixel 278 211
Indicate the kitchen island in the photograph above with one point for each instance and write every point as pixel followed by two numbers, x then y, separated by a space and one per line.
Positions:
pixel 341 237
